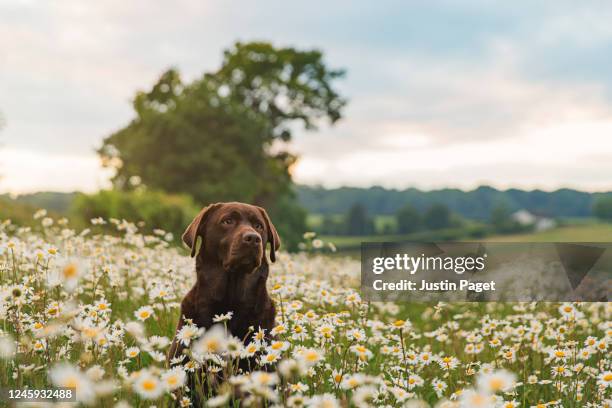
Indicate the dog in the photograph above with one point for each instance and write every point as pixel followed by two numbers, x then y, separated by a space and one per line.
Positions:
pixel 231 269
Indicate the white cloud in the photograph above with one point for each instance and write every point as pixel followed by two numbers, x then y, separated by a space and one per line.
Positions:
pixel 430 116
pixel 539 158
pixel 23 171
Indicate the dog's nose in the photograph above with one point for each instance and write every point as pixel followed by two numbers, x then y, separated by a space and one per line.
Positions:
pixel 251 238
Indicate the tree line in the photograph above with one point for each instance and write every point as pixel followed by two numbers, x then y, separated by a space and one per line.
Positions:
pixel 477 204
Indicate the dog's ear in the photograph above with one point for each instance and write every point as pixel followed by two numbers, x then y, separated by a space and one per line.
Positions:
pixel 196 228
pixel 273 237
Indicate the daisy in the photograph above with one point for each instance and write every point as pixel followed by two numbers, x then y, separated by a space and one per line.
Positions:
pixel 425 358
pixel 278 346
pixel 474 399
pixel 605 379
pixel 187 333
pixel 148 386
pixel 310 356
pixel 290 368
pixel 414 381
pixel 262 378
pixel 132 352
pixel 298 387
pixel 497 381
pixel 223 317
pixel 323 401
pixel 448 362
pixel 401 324
pixel 250 350
pixel 213 341
pixel 7 347
pixel 299 333
pixel 439 386
pixel 67 376
pixel 143 313
pixel 270 358
pixel 365 396
pixel 174 378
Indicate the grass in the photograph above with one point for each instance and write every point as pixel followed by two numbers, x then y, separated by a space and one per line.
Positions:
pixel 381 222
pixel 587 232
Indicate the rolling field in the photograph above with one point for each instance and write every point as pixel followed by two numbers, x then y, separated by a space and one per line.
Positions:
pixel 585 232
pixel 575 233
pixel 97 313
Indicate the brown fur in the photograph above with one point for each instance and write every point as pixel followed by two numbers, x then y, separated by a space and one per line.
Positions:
pixel 231 269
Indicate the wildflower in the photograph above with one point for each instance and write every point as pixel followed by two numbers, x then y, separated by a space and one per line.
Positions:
pixel 298 387
pixel 103 306
pixel 299 333
pixel 67 376
pixel 605 379
pixel 278 346
pixel 425 358
pixel 560 371
pixel 223 317
pixel 7 347
pixel 260 334
pixel 559 354
pixel 213 341
pixel 296 401
pixel 414 381
pixel 290 368
pixel 174 378
pixel 95 373
pixel 40 213
pixel 66 274
pixel 439 386
pixel 250 350
pixel 325 331
pixel 132 352
pixel 475 399
pixel 497 381
pixel 262 378
pixel 323 401
pixel 399 394
pixel 401 324
pixel 362 352
pixel 218 400
pixel 143 313
pixel 136 329
pixel 160 292
pixel 355 334
pixel 148 386
pixel 187 333
pixel 270 358
pixel 353 381
pixel 448 362
pixel 309 356
pixel 365 396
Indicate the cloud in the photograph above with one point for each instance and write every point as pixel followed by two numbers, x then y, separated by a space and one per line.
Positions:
pixel 25 171
pixel 423 77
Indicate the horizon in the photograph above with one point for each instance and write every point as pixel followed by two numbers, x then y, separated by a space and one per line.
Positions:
pixel 17 195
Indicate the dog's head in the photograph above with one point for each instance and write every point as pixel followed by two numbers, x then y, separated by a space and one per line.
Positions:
pixel 235 234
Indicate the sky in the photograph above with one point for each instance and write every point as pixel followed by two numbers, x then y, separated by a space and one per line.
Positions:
pixel 441 93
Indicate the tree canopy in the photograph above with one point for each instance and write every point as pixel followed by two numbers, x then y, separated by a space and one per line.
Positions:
pixel 220 137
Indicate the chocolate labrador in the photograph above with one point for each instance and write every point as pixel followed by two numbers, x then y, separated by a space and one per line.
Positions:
pixel 231 269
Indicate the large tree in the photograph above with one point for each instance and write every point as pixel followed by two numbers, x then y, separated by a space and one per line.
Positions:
pixel 221 137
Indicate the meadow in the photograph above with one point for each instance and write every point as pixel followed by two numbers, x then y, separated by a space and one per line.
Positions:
pixel 97 312
pixel 578 232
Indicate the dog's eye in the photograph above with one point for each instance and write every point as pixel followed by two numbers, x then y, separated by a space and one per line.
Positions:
pixel 258 225
pixel 227 221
